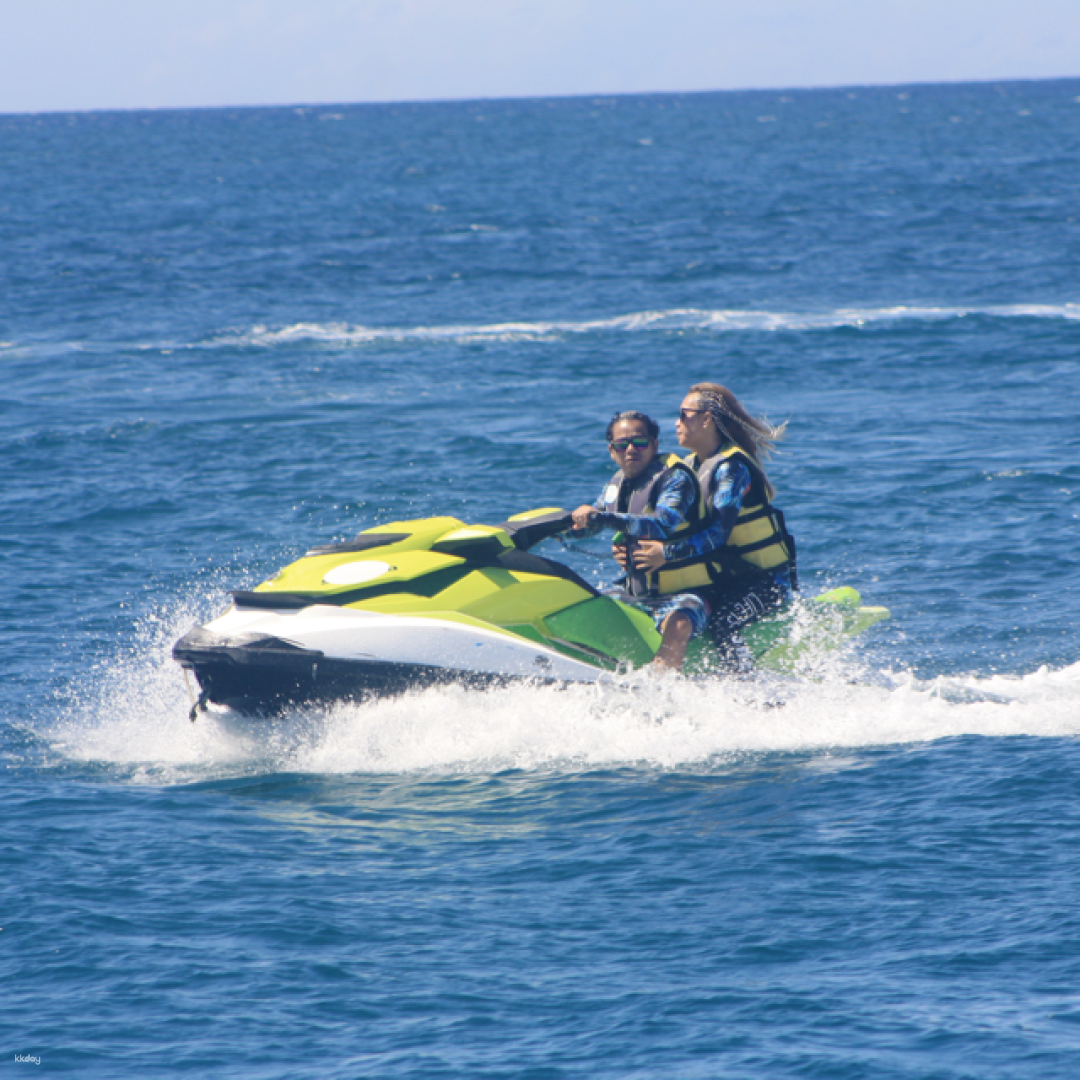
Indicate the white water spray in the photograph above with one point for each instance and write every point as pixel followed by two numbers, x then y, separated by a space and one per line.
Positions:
pixel 133 716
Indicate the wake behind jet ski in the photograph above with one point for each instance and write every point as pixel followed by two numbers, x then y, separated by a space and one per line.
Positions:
pixel 419 603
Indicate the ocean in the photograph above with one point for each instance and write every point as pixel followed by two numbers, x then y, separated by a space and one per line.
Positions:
pixel 228 335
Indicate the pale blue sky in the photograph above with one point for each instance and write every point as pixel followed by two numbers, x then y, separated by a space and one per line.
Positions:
pixel 103 54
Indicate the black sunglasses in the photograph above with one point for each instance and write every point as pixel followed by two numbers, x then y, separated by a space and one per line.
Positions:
pixel 685 414
pixel 640 441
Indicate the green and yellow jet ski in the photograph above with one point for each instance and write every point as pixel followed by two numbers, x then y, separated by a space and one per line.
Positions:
pixel 419 603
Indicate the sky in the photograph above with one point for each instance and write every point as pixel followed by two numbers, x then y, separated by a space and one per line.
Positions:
pixel 67 55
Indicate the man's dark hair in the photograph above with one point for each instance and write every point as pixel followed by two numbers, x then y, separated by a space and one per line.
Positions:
pixel 651 425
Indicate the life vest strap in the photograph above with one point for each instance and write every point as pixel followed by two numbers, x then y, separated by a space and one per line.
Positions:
pixel 760 545
pixel 753 514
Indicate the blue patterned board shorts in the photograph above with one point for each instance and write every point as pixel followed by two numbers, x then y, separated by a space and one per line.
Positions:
pixel 687 603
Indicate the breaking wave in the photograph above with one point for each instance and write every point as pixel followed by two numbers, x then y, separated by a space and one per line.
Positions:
pixel 676 319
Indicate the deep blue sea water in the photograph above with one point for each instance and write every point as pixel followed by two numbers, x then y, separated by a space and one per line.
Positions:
pixel 226 335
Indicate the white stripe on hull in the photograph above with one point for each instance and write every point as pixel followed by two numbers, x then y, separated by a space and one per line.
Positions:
pixel 348 634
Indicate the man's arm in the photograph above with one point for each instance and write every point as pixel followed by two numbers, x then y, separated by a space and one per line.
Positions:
pixel 673 504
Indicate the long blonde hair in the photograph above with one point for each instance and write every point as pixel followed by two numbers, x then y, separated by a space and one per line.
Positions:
pixel 754 435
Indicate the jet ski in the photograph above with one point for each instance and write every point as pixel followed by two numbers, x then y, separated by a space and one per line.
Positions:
pixel 414 604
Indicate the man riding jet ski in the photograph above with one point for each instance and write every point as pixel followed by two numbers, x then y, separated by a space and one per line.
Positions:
pixel 651 497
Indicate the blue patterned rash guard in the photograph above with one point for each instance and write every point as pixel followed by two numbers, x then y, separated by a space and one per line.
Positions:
pixel 673 505
pixel 674 502
pixel 732 486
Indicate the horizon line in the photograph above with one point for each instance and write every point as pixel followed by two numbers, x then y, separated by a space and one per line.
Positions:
pixel 818 88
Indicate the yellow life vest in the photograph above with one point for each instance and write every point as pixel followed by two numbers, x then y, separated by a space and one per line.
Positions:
pixel 759 540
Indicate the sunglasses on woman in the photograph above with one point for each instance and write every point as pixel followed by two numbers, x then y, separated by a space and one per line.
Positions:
pixel 642 442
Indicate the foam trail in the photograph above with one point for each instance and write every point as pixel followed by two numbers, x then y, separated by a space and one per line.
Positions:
pixel 133 717
pixel 643 321
pixel 675 723
pixel 662 321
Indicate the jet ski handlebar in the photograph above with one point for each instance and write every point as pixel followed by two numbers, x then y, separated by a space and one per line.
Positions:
pixel 528 529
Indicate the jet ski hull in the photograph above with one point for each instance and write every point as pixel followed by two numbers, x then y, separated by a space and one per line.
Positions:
pixel 264 661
